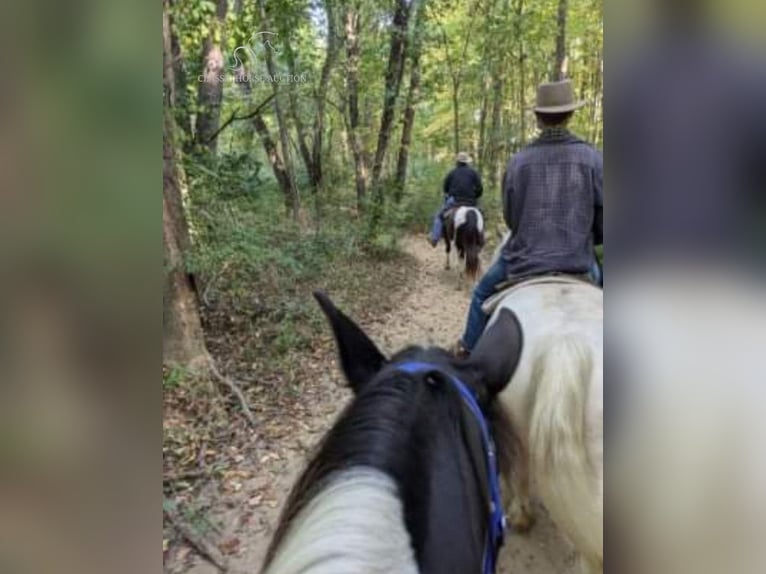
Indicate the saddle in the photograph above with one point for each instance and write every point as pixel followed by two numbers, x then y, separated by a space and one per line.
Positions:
pixel 450 213
pixel 511 285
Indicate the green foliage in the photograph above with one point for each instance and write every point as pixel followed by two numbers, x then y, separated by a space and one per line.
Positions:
pixel 258 266
pixel 173 377
pixel 253 263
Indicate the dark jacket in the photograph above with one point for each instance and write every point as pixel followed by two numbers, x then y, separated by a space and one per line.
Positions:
pixel 464 184
pixel 553 203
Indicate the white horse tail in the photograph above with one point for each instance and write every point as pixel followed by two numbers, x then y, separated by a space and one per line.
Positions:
pixel 557 441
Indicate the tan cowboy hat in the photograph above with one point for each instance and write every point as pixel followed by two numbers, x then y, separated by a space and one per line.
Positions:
pixel 463 157
pixel 556 98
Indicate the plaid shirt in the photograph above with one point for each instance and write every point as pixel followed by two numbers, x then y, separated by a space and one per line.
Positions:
pixel 552 201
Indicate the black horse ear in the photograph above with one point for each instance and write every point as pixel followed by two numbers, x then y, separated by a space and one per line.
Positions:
pixel 360 358
pixel 497 354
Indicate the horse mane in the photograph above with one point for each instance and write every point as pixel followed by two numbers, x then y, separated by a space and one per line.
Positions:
pixel 388 413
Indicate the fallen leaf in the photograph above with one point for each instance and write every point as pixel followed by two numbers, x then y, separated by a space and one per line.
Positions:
pixel 229 546
pixel 182 553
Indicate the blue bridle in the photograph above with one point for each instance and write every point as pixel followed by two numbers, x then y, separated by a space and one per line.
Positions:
pixel 497 521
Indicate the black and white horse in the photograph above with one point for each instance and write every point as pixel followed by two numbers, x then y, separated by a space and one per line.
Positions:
pixel 406 480
pixel 464 226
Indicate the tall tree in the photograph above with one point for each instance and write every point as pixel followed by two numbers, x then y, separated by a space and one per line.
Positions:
pixel 353 52
pixel 183 342
pixel 180 97
pixel 210 91
pixel 291 191
pixel 301 131
pixel 277 163
pixel 321 94
pixel 393 82
pixel 522 100
pixel 258 123
pixel 413 93
pixel 456 70
pixel 560 57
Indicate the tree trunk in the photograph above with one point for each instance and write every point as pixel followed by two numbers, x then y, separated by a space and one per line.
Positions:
pixel 488 59
pixel 560 58
pixel 455 115
pixel 183 341
pixel 481 148
pixel 522 74
pixel 291 192
pixel 456 73
pixel 596 94
pixel 300 129
pixel 352 88
pixel 180 98
pixel 413 94
pixel 409 122
pixel 494 130
pixel 321 95
pixel 210 92
pixel 275 160
pixel 393 83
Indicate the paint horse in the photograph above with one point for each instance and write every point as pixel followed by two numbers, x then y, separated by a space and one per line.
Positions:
pixel 405 481
pixel 555 402
pixel 464 226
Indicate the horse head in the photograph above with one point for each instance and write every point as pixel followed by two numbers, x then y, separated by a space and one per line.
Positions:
pixel 422 423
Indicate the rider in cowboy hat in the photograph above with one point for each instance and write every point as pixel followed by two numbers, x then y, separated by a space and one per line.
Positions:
pixel 462 186
pixel 552 202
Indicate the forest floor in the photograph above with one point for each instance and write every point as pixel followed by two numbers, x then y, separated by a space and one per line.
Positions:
pixel 244 506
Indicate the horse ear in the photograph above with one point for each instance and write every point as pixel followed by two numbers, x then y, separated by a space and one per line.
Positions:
pixel 360 358
pixel 497 354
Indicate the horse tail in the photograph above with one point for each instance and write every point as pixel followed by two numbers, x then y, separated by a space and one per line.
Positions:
pixel 472 242
pixel 557 443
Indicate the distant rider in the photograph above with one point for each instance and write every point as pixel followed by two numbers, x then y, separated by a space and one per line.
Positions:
pixel 462 186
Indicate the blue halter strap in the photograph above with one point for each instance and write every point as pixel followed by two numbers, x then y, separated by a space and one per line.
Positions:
pixel 497 521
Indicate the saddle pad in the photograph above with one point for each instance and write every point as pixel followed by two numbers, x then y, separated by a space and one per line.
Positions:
pixel 449 212
pixel 508 287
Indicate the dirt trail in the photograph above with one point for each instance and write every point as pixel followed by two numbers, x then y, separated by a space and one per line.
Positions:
pixel 432 314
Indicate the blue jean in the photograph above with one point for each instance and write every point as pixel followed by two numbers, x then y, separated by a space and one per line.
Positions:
pixel 485 288
pixel 596 273
pixel 438 224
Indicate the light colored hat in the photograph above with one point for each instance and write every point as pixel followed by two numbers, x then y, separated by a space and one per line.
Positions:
pixel 463 157
pixel 556 98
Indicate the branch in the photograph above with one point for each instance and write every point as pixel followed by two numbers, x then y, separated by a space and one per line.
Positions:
pixel 237 392
pixel 341 109
pixel 234 117
pixel 470 27
pixel 205 548
pixel 190 475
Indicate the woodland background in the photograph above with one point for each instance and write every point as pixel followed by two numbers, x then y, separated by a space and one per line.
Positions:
pixel 274 188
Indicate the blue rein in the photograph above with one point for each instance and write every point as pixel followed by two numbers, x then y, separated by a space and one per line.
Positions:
pixel 496 516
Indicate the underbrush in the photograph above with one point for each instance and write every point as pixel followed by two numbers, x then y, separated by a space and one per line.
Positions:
pixel 256 267
pixel 255 270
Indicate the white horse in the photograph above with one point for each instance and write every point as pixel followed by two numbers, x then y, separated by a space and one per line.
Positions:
pixel 555 402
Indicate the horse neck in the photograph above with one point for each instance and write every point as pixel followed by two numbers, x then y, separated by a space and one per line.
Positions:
pixel 402 488
pixel 354 524
pixel 450 534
